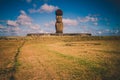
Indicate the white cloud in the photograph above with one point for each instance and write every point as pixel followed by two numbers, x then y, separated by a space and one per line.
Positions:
pixel 2 20
pixel 33 11
pixel 42 31
pixel 14 29
pixel 99 32
pixel 76 22
pixel 28 1
pixel 48 8
pixel 10 31
pixel 24 19
pixel 34 5
pixel 107 32
pixel 35 26
pixel 23 12
pixel 1 26
pixel 117 31
pixel 66 22
pixel 44 8
pixel 88 19
pixel 70 22
pixel 95 23
pixel 51 23
pixel 92 19
pixel 12 23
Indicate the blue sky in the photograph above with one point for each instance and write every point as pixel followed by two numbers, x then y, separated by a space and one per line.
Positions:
pixel 98 17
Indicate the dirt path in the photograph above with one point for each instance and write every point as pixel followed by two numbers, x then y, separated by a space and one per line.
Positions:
pixel 37 63
pixel 8 73
pixel 55 59
pixel 49 61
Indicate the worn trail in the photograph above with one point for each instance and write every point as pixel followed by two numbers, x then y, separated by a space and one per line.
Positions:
pixel 8 73
pixel 52 59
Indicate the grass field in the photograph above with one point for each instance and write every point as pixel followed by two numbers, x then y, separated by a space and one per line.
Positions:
pixel 60 58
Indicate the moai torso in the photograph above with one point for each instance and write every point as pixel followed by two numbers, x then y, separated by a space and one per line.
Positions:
pixel 59 23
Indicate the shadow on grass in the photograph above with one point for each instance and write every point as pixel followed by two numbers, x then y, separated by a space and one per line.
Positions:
pixel 12 78
pixel 106 51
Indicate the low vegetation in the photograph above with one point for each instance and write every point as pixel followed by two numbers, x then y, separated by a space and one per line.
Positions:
pixel 8 57
pixel 61 58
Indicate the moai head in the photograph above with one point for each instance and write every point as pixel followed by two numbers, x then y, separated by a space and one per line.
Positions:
pixel 59 23
pixel 59 12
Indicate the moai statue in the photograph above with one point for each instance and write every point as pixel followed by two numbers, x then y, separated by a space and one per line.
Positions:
pixel 59 23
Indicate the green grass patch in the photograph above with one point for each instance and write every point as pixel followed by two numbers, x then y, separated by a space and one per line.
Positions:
pixel 92 67
pixel 108 51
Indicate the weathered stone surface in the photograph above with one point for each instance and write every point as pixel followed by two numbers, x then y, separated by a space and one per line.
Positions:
pixel 58 19
pixel 59 27
pixel 59 23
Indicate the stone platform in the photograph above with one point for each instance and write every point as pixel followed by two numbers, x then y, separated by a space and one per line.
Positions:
pixel 59 34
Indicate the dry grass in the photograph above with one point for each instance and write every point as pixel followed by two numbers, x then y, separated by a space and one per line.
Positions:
pixel 59 58
pixel 8 51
